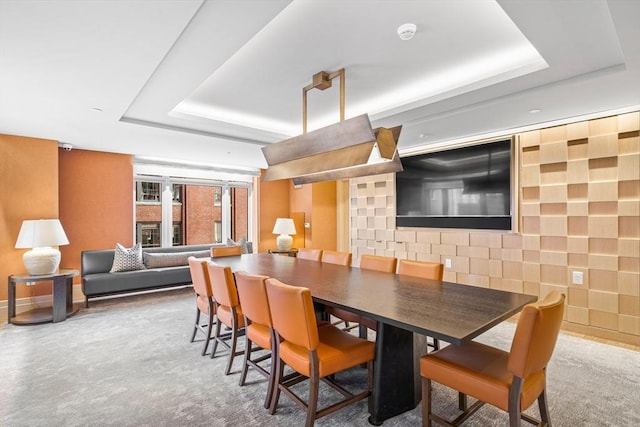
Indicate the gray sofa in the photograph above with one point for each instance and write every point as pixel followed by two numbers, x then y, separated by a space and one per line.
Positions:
pixel 165 267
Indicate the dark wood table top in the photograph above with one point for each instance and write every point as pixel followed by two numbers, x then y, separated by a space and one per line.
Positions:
pixel 449 311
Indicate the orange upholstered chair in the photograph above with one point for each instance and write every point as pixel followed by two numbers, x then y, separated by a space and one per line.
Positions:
pixel 425 270
pixel 385 264
pixel 310 254
pixel 259 329
pixel 204 300
pixel 218 251
pixel 511 381
pixel 339 258
pixel 228 311
pixel 315 352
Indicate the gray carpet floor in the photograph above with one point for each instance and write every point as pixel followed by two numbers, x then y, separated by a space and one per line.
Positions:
pixel 128 362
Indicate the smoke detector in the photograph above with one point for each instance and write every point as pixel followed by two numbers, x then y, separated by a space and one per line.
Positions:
pixel 406 31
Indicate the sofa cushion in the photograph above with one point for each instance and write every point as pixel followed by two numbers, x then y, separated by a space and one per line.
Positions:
pixel 127 259
pixel 247 247
pixel 156 260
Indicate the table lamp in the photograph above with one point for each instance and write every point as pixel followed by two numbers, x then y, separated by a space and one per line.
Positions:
pixel 40 235
pixel 284 227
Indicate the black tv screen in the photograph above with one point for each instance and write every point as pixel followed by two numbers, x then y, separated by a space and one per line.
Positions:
pixel 468 187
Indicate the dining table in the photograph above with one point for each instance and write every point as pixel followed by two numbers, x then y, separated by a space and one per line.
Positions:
pixel 406 310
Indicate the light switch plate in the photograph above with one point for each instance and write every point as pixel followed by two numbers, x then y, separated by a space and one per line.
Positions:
pixel 578 278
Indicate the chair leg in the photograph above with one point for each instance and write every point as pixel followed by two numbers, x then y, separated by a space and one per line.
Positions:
pixel 272 384
pixel 362 332
pixel 197 322
pixel 209 330
pixel 436 344
pixel 370 385
pixel 276 385
pixel 426 402
pixel 312 403
pixel 232 349
pixel 247 356
pixel 515 392
pixel 216 338
pixel 544 409
pixel 463 403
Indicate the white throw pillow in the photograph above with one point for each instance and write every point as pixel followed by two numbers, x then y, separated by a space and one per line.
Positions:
pixel 242 243
pixel 127 259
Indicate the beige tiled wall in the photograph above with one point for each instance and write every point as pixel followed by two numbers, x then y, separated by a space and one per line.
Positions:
pixel 579 210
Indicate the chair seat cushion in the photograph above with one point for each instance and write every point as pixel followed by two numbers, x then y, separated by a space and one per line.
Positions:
pixel 203 303
pixel 337 351
pixel 225 316
pixel 260 335
pixel 479 371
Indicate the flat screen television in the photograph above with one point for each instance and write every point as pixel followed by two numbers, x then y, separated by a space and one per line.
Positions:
pixel 467 187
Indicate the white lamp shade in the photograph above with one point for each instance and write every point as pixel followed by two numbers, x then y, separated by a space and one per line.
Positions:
pixel 284 226
pixel 40 233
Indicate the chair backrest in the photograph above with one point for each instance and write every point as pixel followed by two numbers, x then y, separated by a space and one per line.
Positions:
pixel 252 292
pixel 200 277
pixel 536 335
pixel 292 314
pixel 333 257
pixel 423 269
pixel 218 251
pixel 311 254
pixel 223 285
pixel 385 264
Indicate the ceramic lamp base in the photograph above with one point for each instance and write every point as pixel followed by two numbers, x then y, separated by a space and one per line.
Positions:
pixel 39 261
pixel 284 242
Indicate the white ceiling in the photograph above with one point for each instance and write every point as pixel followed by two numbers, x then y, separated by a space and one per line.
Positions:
pixel 212 81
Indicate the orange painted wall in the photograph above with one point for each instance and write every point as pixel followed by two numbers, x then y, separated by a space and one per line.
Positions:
pixel 273 202
pixel 96 202
pixel 28 190
pixel 318 202
pixel 300 200
pixel 323 215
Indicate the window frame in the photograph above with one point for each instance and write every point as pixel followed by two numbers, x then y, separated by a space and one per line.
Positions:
pixel 167 186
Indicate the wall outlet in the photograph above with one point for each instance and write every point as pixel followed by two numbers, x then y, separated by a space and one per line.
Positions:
pixel 307 225
pixel 447 262
pixel 577 278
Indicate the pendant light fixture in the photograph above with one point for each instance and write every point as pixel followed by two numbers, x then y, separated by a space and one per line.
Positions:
pixel 347 149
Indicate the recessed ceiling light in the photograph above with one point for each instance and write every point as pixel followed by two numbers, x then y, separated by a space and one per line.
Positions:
pixel 535 110
pixel 424 135
pixel 96 109
pixel 407 31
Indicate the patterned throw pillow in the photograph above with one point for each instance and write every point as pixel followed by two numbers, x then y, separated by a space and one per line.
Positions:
pixel 127 259
pixel 242 243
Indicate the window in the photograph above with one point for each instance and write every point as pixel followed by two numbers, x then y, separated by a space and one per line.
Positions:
pixel 148 233
pixel 217 196
pixel 177 234
pixel 217 231
pixel 174 211
pixel 148 192
pixel 177 193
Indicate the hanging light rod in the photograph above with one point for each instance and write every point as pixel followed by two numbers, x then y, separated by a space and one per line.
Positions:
pixel 347 149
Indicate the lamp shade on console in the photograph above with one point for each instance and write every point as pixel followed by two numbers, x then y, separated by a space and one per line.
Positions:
pixel 40 235
pixel 284 227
